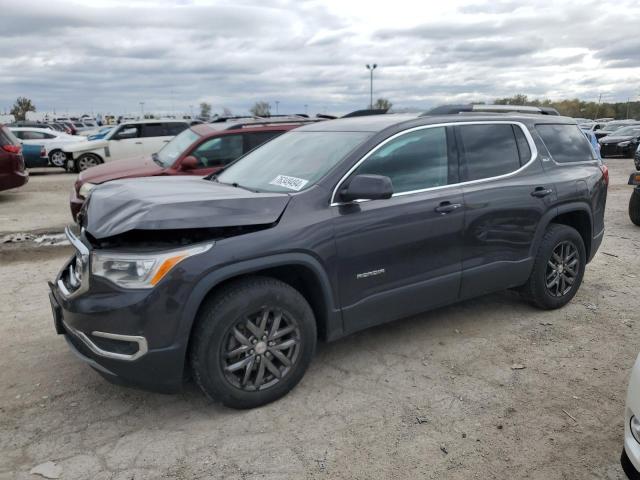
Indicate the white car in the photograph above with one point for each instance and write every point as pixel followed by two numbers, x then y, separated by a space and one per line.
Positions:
pixel 130 139
pixel 52 140
pixel 631 453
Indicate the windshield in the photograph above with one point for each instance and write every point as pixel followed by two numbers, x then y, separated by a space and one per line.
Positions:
pixel 291 162
pixel 172 150
pixel 628 131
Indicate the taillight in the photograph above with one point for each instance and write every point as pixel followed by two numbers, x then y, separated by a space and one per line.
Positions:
pixel 605 173
pixel 43 151
pixel 12 148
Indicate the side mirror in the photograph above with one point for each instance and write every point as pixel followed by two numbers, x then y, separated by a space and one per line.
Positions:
pixel 189 163
pixel 367 187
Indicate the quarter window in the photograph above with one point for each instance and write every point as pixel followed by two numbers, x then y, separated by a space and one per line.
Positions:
pixel 488 150
pixel 413 161
pixel 566 143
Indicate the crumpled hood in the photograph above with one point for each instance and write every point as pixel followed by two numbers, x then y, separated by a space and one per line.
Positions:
pixel 167 203
pixel 81 146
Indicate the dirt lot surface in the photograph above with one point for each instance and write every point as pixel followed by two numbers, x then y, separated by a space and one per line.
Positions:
pixel 441 395
pixel 42 205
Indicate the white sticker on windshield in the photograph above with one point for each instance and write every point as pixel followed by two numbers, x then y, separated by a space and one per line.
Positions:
pixel 291 183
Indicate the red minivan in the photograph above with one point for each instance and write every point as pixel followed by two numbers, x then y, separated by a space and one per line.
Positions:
pixel 200 150
pixel 12 172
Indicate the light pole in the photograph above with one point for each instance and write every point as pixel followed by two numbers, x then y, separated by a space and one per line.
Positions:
pixel 306 107
pixel 191 110
pixel 142 110
pixel 277 104
pixel 371 68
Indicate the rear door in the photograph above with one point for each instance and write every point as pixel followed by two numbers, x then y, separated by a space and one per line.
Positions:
pixel 401 256
pixel 506 192
pixel 153 137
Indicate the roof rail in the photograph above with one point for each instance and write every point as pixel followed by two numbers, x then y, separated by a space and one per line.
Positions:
pixel 268 123
pixel 365 112
pixel 454 109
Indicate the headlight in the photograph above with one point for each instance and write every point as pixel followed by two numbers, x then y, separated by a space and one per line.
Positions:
pixel 624 144
pixel 142 270
pixel 85 189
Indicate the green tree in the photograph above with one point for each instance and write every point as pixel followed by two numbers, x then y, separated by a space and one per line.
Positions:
pixel 382 104
pixel 21 107
pixel 205 110
pixel 261 109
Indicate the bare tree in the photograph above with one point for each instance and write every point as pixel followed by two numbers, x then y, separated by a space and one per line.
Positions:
pixel 382 104
pixel 21 107
pixel 261 109
pixel 205 110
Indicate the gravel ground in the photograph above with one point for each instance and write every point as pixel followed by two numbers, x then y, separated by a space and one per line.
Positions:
pixel 435 396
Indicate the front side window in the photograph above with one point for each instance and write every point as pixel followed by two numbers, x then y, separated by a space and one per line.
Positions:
pixel 168 155
pixel 171 129
pixel 487 150
pixel 127 131
pixel 255 139
pixel 293 161
pixel 413 161
pixel 565 143
pixel 153 130
pixel 219 151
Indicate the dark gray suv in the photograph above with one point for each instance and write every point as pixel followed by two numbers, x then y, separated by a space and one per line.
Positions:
pixel 324 231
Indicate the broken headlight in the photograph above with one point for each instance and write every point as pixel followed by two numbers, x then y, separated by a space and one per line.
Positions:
pixel 144 270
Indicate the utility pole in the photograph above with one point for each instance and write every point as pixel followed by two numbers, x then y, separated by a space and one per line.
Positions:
pixel 371 68
pixel 628 107
pixel 277 104
pixel 598 107
pixel 141 110
pixel 306 107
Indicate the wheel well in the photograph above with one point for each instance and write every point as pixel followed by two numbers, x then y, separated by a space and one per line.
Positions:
pixel 580 220
pixel 299 277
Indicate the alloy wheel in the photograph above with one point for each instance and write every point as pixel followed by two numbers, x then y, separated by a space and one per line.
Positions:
pixel 87 162
pixel 58 158
pixel 261 349
pixel 562 269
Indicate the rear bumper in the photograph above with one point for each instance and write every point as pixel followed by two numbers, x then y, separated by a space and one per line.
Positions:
pixel 13 180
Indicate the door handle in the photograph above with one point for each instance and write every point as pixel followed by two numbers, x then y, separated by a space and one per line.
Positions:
pixel 447 207
pixel 138 143
pixel 541 192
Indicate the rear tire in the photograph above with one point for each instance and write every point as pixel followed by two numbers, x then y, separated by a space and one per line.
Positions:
pixel 239 354
pixel 558 268
pixel 58 158
pixel 634 207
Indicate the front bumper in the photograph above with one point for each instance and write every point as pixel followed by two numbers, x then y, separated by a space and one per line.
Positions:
pixel 613 150
pixel 130 337
pixel 631 454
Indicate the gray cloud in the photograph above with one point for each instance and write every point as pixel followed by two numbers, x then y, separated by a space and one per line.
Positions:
pixel 71 56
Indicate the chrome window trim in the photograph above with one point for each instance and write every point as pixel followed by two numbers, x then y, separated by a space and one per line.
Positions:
pixel 525 130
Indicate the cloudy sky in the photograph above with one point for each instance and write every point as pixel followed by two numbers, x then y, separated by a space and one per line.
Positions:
pixel 107 56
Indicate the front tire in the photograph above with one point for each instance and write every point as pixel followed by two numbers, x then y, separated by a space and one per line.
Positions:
pixel 558 268
pixel 634 207
pixel 87 160
pixel 252 342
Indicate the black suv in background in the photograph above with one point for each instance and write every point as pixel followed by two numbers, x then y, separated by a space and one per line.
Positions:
pixel 326 230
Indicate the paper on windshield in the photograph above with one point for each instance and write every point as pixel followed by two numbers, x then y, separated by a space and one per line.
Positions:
pixel 292 183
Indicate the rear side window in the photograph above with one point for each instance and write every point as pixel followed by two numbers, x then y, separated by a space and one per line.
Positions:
pixel 488 150
pixel 152 130
pixel 413 161
pixel 524 150
pixel 566 143
pixel 7 137
pixel 172 129
pixel 255 139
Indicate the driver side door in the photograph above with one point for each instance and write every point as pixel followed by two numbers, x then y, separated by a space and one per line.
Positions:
pixel 402 256
pixel 125 143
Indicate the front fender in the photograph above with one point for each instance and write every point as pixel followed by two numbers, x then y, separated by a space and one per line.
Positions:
pixel 332 322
